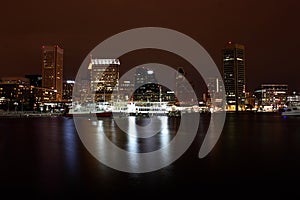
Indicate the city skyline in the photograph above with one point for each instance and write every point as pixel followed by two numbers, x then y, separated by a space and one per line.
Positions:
pixel 267 29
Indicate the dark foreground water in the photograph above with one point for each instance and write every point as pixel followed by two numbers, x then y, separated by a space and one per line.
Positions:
pixel 256 155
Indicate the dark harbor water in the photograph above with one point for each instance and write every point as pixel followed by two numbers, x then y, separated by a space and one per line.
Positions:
pixel 257 154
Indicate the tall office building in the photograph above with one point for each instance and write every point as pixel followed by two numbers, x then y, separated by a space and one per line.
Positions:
pixel 148 89
pixel 68 87
pixel 52 69
pixel 234 75
pixel 104 76
pixel 215 92
pixel 184 93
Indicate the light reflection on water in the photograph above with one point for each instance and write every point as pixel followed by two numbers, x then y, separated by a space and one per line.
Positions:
pixel 70 147
pixel 106 129
pixel 131 140
pixel 48 154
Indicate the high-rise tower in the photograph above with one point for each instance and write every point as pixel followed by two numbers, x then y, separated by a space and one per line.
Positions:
pixel 52 69
pixel 234 75
pixel 104 76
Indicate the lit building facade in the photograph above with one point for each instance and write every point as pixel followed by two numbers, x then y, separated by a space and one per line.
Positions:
pixel 234 76
pixel 16 93
pixel 146 85
pixel 148 89
pixel 82 91
pixel 68 87
pixel 104 78
pixel 43 95
pixel 126 90
pixel 274 95
pixel 52 69
pixel 293 97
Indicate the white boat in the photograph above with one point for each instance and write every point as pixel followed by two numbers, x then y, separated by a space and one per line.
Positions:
pixel 100 109
pixel 141 108
pixel 292 109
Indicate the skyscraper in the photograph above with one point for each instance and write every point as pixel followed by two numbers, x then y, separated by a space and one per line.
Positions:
pixel 215 92
pixel 52 69
pixel 104 76
pixel 184 92
pixel 234 75
pixel 147 88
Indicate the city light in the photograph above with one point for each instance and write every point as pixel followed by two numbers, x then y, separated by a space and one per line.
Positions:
pixel 105 61
pixel 70 81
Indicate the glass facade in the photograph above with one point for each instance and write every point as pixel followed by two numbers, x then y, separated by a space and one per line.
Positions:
pixel 52 69
pixel 234 76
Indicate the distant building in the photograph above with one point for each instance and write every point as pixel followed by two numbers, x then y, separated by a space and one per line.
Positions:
pixel 104 76
pixel 184 94
pixel 126 90
pixel 52 69
pixel 15 80
pixel 148 89
pixel 250 101
pixel 43 95
pixel 82 91
pixel 234 76
pixel 35 80
pixel 214 97
pixel 274 95
pixel 17 94
pixel 293 97
pixel 68 87
pixel 14 92
pixel 15 89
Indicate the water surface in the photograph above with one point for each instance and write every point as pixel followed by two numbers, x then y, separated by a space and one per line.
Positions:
pixel 256 153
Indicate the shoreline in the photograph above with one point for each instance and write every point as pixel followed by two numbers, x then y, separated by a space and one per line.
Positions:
pixel 29 114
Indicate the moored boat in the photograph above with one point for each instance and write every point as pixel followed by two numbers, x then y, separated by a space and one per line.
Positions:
pixel 292 109
pixel 102 109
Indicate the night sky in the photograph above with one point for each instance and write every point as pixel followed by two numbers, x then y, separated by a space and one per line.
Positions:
pixel 269 29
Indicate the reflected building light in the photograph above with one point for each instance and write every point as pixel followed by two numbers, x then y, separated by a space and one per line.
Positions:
pixel 132 136
pixel 70 146
pixel 165 133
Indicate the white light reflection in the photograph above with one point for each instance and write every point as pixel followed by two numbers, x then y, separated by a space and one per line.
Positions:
pixel 100 144
pixel 165 137
pixel 165 133
pixel 98 133
pixel 132 136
